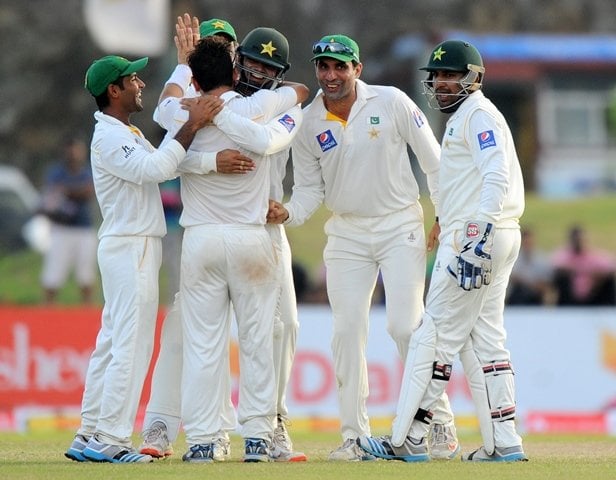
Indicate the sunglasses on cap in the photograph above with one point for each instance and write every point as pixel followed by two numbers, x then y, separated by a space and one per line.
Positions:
pixel 332 47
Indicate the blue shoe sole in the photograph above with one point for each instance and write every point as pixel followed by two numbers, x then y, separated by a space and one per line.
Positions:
pixel 513 457
pixel 95 456
pixel 75 455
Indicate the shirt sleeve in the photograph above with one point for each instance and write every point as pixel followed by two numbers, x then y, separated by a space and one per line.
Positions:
pixel 308 185
pixel 198 162
pixel 132 161
pixel 265 139
pixel 487 138
pixel 415 129
pixel 170 115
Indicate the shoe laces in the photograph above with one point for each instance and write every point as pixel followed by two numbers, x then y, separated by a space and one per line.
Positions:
pixel 153 433
pixel 439 434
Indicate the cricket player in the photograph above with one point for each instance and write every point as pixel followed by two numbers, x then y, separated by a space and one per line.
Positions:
pixel 126 172
pixel 351 154
pixel 481 201
pixel 228 210
pixel 257 71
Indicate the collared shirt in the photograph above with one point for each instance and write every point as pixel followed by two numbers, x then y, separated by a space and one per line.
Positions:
pixel 362 166
pixel 126 170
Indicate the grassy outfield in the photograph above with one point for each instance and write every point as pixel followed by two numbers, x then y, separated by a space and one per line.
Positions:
pixel 40 456
pixel 550 219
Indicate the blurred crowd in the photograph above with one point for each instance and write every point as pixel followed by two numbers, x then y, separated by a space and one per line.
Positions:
pixel 575 273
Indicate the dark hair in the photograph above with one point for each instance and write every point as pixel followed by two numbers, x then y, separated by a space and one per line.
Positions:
pixel 211 64
pixel 102 100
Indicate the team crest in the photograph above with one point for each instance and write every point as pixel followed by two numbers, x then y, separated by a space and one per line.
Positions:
pixel 326 140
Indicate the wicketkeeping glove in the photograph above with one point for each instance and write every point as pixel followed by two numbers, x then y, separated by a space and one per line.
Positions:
pixel 473 266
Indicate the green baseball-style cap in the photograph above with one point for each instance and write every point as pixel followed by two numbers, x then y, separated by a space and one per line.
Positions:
pixel 216 26
pixel 339 47
pixel 108 69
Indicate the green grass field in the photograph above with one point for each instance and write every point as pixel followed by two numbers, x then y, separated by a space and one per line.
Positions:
pixel 550 219
pixel 40 456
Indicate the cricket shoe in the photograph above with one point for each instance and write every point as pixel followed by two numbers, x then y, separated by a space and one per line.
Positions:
pixel 381 447
pixel 257 450
pixel 200 453
pixel 443 441
pixel 97 451
pixel 350 451
pixel 501 454
pixel 221 448
pixel 75 451
pixel 155 441
pixel 282 447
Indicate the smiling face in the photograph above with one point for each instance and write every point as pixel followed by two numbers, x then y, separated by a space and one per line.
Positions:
pixel 337 78
pixel 131 95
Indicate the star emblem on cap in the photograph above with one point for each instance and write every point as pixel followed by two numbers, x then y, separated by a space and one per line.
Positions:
pixel 218 25
pixel 268 48
pixel 438 54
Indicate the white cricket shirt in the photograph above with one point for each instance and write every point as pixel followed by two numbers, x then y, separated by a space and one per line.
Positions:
pixel 362 167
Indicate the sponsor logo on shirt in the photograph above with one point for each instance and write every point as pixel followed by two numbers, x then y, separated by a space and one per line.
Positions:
pixel 486 139
pixel 287 122
pixel 127 150
pixel 326 140
pixel 419 121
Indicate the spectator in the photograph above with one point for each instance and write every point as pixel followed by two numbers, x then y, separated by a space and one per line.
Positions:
pixel 584 275
pixel 531 279
pixel 68 192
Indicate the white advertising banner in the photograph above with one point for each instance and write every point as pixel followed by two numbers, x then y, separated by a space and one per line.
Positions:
pixel 564 361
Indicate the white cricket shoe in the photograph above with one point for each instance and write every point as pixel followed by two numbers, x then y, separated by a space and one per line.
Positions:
pixel 282 447
pixel 155 441
pixel 443 441
pixel 349 451
pixel 501 454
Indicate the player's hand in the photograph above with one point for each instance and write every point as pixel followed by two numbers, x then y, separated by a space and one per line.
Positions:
pixel 473 266
pixel 186 36
pixel 433 236
pixel 232 161
pixel 202 109
pixel 277 213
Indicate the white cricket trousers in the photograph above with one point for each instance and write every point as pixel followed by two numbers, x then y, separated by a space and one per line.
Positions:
pixel 118 366
pixel 473 317
pixel 357 248
pixel 222 264
pixel 286 322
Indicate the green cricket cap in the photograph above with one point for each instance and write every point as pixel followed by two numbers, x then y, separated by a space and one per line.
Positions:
pixel 216 26
pixel 339 47
pixel 107 70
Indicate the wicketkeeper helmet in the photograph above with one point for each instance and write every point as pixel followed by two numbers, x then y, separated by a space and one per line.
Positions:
pixel 267 46
pixel 454 56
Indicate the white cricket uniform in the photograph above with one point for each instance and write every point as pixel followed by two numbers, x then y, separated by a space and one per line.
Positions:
pixel 286 324
pixel 362 172
pixel 227 255
pixel 480 179
pixel 126 171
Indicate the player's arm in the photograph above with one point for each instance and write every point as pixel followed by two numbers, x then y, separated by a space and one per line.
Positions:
pixel 265 139
pixel 186 36
pixel 308 188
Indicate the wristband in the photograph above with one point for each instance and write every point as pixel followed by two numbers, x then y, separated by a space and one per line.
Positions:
pixel 181 76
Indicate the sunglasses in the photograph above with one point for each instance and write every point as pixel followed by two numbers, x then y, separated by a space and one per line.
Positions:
pixel 332 47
